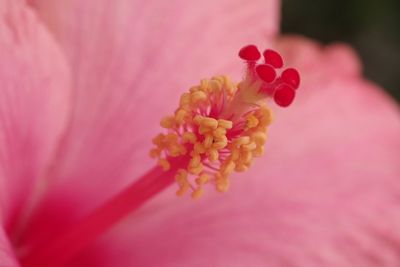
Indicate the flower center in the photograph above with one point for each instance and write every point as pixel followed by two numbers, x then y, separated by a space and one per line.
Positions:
pixel 218 128
pixel 221 126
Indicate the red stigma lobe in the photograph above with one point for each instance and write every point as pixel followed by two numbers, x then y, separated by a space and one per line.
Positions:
pixel 284 95
pixel 291 76
pixel 266 72
pixel 250 53
pixel 273 58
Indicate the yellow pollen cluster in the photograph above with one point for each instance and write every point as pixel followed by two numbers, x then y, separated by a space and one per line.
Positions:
pixel 211 141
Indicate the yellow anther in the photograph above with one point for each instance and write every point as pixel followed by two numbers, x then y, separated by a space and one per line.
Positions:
pixel 219 79
pixel 226 84
pixel 259 151
pixel 203 179
pixel 185 100
pixel 259 138
pixel 199 148
pixel 197 119
pixel 251 121
pixel 231 88
pixel 228 168
pixel 182 190
pixel 250 146
pixel 171 138
pixel 264 115
pixel 194 89
pixel 235 154
pixel 220 144
pixel 208 141
pixel 219 132
pixel 204 129
pixel 176 150
pixel 248 164
pixel 180 116
pixel 167 122
pixel 196 194
pixel 195 160
pixel 204 84
pixel 155 153
pixel 158 140
pixel 189 137
pixel 225 124
pixel 181 180
pixel 197 96
pixel 240 168
pixel 246 157
pixel 209 122
pixel 164 164
pixel 242 140
pixel 215 86
pixel 226 79
pixel 181 173
pixel 222 185
pixel 222 139
pixel 213 154
pixel 195 169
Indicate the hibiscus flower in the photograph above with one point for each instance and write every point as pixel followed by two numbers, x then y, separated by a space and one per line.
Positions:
pixel 83 87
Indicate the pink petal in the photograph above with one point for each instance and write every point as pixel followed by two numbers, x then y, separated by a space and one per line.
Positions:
pixel 325 194
pixel 34 96
pixel 309 56
pixel 7 258
pixel 131 60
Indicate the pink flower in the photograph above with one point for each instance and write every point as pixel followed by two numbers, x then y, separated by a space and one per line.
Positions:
pixel 83 86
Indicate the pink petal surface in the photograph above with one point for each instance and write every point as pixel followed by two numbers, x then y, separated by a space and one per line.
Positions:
pixel 7 258
pixel 130 61
pixel 34 98
pixel 325 194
